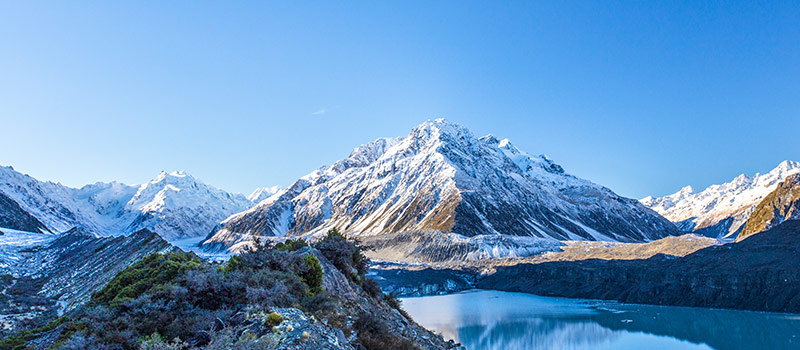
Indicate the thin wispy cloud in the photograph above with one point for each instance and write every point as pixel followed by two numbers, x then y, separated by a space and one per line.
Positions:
pixel 325 110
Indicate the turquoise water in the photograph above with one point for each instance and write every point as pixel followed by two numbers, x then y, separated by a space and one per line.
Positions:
pixel 482 319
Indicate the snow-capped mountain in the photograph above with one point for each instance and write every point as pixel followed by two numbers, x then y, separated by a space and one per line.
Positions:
pixel 176 205
pixel 441 177
pixel 263 193
pixel 56 206
pixel 720 210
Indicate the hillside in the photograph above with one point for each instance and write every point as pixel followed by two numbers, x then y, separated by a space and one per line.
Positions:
pixel 291 296
pixel 45 275
pixel 781 205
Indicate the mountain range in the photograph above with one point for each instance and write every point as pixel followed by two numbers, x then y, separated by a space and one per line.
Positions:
pixel 720 211
pixel 439 178
pixel 176 205
pixel 442 178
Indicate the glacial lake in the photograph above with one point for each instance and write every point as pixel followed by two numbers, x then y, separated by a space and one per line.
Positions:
pixel 481 319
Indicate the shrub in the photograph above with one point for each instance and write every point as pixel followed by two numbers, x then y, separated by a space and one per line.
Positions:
pixel 372 287
pixel 156 342
pixel 233 264
pixel 291 245
pixel 345 255
pixel 17 341
pixel 374 335
pixel 394 302
pixel 274 319
pixel 313 276
pixel 153 270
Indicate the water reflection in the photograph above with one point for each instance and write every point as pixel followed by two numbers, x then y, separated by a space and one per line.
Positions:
pixel 500 320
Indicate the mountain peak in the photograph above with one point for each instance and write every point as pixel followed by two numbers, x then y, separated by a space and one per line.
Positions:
pixel 441 177
pixel 786 166
pixel 434 129
pixel 721 210
pixel 173 175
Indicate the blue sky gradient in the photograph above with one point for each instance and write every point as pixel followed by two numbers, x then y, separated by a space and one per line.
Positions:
pixel 642 97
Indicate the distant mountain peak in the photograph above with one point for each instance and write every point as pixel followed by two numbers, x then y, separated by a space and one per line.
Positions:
pixel 721 210
pixel 174 204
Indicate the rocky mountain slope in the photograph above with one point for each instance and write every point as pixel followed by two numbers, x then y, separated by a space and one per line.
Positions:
pixel 50 276
pixel 442 178
pixel 781 205
pixel 757 273
pixel 14 217
pixel 291 297
pixel 720 210
pixel 176 205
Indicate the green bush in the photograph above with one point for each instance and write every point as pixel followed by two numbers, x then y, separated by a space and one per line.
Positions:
pixel 17 341
pixel 274 319
pixel 345 254
pixel 233 264
pixel 313 276
pixel 291 245
pixel 154 270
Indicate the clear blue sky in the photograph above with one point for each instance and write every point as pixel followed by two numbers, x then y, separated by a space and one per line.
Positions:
pixel 643 97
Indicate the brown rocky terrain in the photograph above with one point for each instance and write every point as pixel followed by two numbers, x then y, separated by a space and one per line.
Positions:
pixel 780 205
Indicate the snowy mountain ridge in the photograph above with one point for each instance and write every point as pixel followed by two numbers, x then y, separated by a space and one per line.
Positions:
pixel 440 177
pixel 176 205
pixel 720 210
pixel 262 193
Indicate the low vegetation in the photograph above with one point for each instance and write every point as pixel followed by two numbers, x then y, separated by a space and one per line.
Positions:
pixel 178 301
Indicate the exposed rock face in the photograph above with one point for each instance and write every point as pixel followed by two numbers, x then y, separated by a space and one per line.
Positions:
pixel 61 274
pixel 720 211
pixel 761 272
pixel 781 205
pixel 77 263
pixel 319 336
pixel 14 217
pixel 442 178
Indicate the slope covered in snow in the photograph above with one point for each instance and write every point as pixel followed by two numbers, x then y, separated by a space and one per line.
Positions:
pixel 262 193
pixel 440 177
pixel 176 205
pixel 720 210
